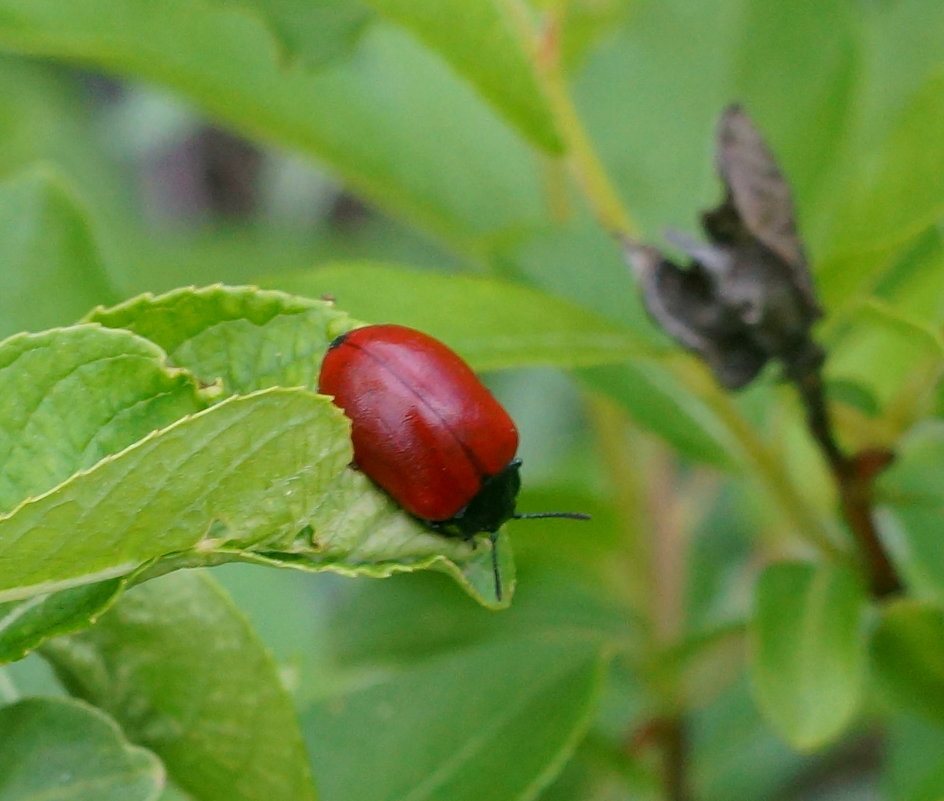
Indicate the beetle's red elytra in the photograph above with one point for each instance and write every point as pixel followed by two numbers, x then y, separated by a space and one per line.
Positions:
pixel 427 430
pixel 424 427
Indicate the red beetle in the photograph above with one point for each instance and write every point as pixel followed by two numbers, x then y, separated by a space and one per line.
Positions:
pixel 426 430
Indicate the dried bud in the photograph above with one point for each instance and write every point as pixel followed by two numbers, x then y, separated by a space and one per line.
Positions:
pixel 747 295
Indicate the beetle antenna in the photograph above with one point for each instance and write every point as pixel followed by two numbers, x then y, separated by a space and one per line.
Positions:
pixel 496 574
pixel 535 515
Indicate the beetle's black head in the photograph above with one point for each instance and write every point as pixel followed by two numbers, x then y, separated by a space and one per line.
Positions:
pixel 492 507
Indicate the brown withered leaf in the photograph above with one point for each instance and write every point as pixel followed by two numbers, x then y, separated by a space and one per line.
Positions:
pixel 746 297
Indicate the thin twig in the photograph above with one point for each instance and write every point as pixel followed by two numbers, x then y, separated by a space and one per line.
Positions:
pixel 854 475
pixel 675 759
pixel 670 736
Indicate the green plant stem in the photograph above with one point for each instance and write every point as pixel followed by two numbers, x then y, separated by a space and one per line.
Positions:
pixel 674 736
pixel 669 548
pixel 770 471
pixel 854 477
pixel 583 159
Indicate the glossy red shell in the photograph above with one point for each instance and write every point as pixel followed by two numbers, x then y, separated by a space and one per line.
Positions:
pixel 424 426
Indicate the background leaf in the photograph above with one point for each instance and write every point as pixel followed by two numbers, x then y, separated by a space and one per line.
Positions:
pixel 506 325
pixel 470 175
pixel 58 748
pixel 316 32
pixel 808 659
pixel 915 769
pixel 483 42
pixel 51 268
pixel 913 504
pixel 180 668
pixel 423 733
pixel 25 624
pixel 907 650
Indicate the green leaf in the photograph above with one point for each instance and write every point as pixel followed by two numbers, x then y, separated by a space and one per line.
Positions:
pixel 898 190
pixel 661 401
pixel 523 705
pixel 72 396
pixel 406 622
pixel 734 753
pixel 315 32
pixel 247 468
pixel 598 771
pixel 26 624
pixel 250 339
pixel 577 260
pixel 889 353
pixel 914 766
pixel 57 748
pixel 484 43
pixel 50 267
pixel 385 119
pixel 182 671
pixel 493 323
pixel 808 655
pixel 913 510
pixel 914 284
pixel 49 131
pixel 364 533
pixel 907 650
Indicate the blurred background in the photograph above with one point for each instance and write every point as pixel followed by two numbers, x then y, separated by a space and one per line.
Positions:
pixel 159 196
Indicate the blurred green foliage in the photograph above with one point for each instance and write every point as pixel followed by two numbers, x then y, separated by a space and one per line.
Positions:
pixel 410 159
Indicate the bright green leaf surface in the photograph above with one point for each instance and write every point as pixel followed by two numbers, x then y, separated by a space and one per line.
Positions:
pixel 503 325
pixel 901 190
pixel 360 531
pixel 483 42
pixel 250 339
pixel 72 396
pixel 914 285
pixel 179 666
pixel 495 722
pixel 808 659
pixel 25 624
pixel 50 268
pixel 908 656
pixel 59 749
pixel 254 464
pixel 889 352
